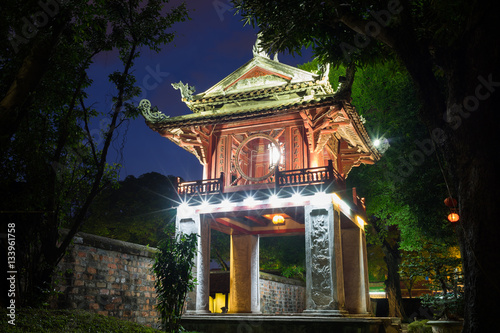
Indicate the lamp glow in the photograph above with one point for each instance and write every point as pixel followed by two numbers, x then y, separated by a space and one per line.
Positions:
pixel 274 200
pixel 453 217
pixel 322 198
pixel 336 199
pixel 278 219
pixel 250 201
pixel 225 202
pixel 361 222
pixel 297 198
pixel 184 209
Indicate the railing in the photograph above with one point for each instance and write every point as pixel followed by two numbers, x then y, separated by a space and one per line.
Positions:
pixel 206 186
pixel 325 175
pixel 310 176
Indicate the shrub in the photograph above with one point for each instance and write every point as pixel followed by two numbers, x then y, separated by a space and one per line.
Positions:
pixel 172 268
pixel 66 321
pixel 419 327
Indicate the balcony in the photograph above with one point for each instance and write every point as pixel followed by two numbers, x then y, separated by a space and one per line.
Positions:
pixel 324 178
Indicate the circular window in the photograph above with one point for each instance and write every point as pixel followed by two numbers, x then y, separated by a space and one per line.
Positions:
pixel 257 157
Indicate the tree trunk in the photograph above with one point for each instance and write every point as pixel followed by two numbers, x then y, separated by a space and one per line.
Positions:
pixel 26 81
pixel 392 283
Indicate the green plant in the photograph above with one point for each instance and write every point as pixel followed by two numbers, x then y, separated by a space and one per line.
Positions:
pixel 62 321
pixel 442 267
pixel 419 327
pixel 294 271
pixel 173 270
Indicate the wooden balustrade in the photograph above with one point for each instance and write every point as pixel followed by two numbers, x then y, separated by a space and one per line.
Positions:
pixel 310 176
pixel 324 175
pixel 205 186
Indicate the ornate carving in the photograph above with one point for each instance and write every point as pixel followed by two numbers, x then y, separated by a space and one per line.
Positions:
pixel 296 149
pixel 151 114
pixel 187 91
pixel 320 259
pixel 265 80
pixel 222 150
pixel 257 48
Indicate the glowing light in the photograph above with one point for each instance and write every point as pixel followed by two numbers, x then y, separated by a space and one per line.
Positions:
pixel 205 205
pixel 321 198
pixel 225 202
pixel 297 198
pixel 274 154
pixel 453 217
pixel 250 201
pixel 336 199
pixel 361 223
pixel 376 143
pixel 184 209
pixel 278 219
pixel 274 200
pixel 345 207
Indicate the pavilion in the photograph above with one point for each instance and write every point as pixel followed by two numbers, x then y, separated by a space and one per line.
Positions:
pixel 276 144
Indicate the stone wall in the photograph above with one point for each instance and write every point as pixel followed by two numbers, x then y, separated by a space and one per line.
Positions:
pixel 114 278
pixel 281 295
pixel 108 277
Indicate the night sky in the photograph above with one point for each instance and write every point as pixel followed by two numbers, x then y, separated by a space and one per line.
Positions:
pixel 207 48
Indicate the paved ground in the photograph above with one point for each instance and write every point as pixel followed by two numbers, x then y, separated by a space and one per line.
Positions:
pixel 404 328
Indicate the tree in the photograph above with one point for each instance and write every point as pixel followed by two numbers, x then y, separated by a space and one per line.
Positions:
pixel 283 255
pixel 137 210
pixel 450 50
pixel 174 279
pixel 441 267
pixel 399 209
pixel 53 159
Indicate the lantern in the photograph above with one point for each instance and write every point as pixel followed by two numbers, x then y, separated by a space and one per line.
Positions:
pixel 278 219
pixel 450 202
pixel 453 217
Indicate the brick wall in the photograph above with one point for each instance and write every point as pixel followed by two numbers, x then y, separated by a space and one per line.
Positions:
pixel 113 278
pixel 109 277
pixel 281 295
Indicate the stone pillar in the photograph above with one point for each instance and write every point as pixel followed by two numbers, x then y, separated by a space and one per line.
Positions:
pixel 244 274
pixel 355 271
pixel 197 300
pixel 324 271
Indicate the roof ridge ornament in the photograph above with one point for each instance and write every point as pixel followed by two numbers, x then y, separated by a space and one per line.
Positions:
pixel 324 71
pixel 257 49
pixel 151 114
pixel 187 91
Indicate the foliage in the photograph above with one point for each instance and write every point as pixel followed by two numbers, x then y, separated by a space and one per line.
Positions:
pixel 419 327
pixel 450 50
pixel 294 271
pixel 283 255
pixel 137 210
pixel 441 266
pixel 278 255
pixel 220 244
pixel 173 271
pixel 54 159
pixel 63 321
pixel 399 208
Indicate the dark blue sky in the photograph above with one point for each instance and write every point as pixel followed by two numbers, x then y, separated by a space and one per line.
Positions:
pixel 207 48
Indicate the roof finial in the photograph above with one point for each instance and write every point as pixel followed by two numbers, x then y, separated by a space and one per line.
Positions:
pixel 257 49
pixel 187 91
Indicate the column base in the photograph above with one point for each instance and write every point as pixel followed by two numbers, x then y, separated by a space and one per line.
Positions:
pixel 197 312
pixel 329 313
